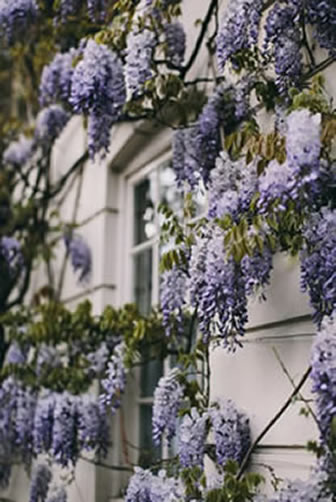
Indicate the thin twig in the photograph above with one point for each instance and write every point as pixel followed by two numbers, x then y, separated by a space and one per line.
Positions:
pixel 284 369
pixel 98 463
pixel 199 41
pixel 273 421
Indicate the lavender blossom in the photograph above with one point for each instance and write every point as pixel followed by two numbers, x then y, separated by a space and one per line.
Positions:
pixel 93 427
pixel 98 88
pixel 10 250
pixel 257 270
pixel 55 84
pixel 47 358
pixel 114 383
pixel 80 255
pixel 16 17
pixel 232 432
pixel 146 487
pixel 318 263
pixel 275 184
pixel 44 423
pixel 98 359
pixel 303 144
pixel 64 446
pixel 16 354
pixel 50 122
pixel 185 165
pixel 282 42
pixel 138 489
pixel 18 152
pixel 223 193
pixel 172 297
pixel 140 47
pixel 168 396
pixel 175 40
pixel 191 439
pixel 57 494
pixel 40 483
pixel 322 15
pixel 24 422
pixel 323 377
pixel 312 490
pixel 238 29
pixel 97 10
pixel 99 133
pixel 221 297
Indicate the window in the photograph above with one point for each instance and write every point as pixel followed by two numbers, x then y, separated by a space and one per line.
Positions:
pixel 147 190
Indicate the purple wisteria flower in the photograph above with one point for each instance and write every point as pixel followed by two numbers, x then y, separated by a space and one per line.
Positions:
pixel 114 383
pixel 57 494
pixel 55 84
pixel 257 270
pixel 10 250
pixel 322 15
pixel 232 431
pixel 47 357
pixel 40 483
pixel 238 29
pixel 16 354
pixel 98 359
pixel 283 43
pixel 18 152
pixel 93 426
pixel 50 122
pixel 80 255
pixel 98 88
pixel 323 377
pixel 275 184
pixel 185 163
pixel 173 297
pixel 24 422
pixel 147 487
pixel 303 144
pixel 221 297
pixel 66 9
pixel 97 10
pixel 318 263
pixel 168 397
pixel 139 51
pixel 191 439
pixel 44 423
pixel 175 40
pixel 312 490
pixel 232 185
pixel 64 446
pixel 16 17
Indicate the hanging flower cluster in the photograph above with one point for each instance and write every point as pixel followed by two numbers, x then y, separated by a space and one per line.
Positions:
pixel 140 46
pixel 231 431
pixel 168 397
pixel 114 383
pixel 55 84
pixel 147 487
pixel 80 255
pixel 323 376
pixel 318 263
pixel 191 439
pixel 99 90
pixel 16 17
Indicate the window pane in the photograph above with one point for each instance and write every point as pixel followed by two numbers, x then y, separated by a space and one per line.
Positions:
pixel 142 292
pixel 151 372
pixel 149 452
pixel 169 195
pixel 144 209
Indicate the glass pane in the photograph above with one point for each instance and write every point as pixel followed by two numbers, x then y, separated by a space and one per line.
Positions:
pixel 169 194
pixel 151 372
pixel 149 452
pixel 142 289
pixel 144 209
